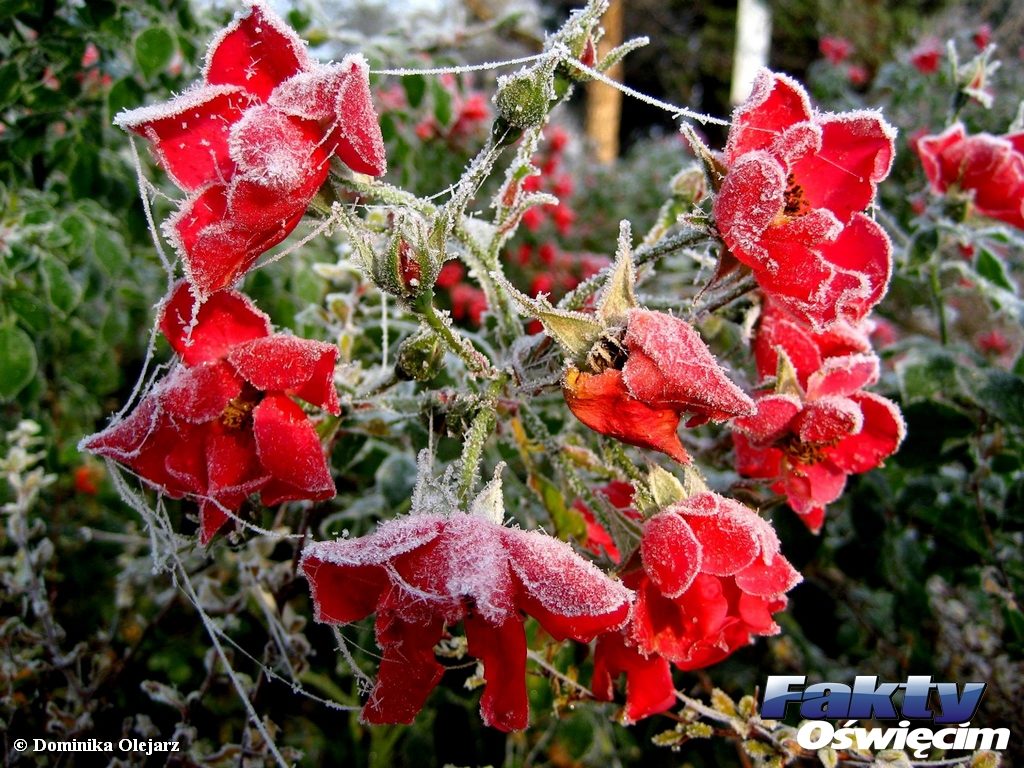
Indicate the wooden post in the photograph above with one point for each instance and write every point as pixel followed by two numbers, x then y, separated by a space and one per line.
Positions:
pixel 753 40
pixel 604 103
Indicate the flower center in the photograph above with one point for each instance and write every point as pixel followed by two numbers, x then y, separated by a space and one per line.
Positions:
pixel 238 411
pixel 608 351
pixel 800 451
pixel 795 204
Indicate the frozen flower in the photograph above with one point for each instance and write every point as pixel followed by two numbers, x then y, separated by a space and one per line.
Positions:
pixel 989 168
pixel 222 424
pixel 424 571
pixel 791 204
pixel 642 382
pixel 252 141
pixel 808 442
pixel 710 578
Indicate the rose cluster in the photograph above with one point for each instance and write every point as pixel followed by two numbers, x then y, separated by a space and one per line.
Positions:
pixel 251 146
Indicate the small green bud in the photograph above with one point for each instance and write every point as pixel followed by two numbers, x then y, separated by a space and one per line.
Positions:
pixel 420 357
pixel 522 100
pixel 690 185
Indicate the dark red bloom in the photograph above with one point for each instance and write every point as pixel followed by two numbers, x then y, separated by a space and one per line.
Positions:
pixel 835 49
pixel 222 424
pixel 927 56
pixel 667 371
pixel 982 37
pixel 988 167
pixel 712 576
pixel 790 207
pixel 423 571
pixel 251 143
pixel 809 444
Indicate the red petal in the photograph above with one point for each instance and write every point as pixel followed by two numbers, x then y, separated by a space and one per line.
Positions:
pixel 828 420
pixel 279 152
pixel 569 596
pixel 603 404
pixel 776 103
pixel 289 448
pixel 649 686
pixel 768 579
pixel 773 420
pixel 669 364
pixel 757 462
pixel 211 519
pixel 862 252
pixel 232 466
pixel 779 329
pixel 881 435
pixel 342 594
pixel 751 197
pixel 281 363
pixel 186 459
pixel 189 134
pixel 502 649
pixel 257 52
pixel 225 319
pixel 934 151
pixel 201 393
pixel 408 672
pixel 729 540
pixel 856 153
pixel 810 487
pixel 842 376
pixel 671 553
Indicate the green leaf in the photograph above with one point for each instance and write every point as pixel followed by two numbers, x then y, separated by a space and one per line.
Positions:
pixel 1001 394
pixel 154 49
pixel 442 104
pixel 124 94
pixel 63 290
pixel 10 79
pixel 567 521
pixel 111 252
pixel 18 361
pixel 922 247
pixel 992 268
pixel 415 88
pixel 924 376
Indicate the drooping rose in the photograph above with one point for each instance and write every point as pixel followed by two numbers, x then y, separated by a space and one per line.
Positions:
pixel 251 143
pixel 424 571
pixel 659 371
pixel 223 424
pixel 989 168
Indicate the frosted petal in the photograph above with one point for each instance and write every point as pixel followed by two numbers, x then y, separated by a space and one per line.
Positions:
pixel 672 554
pixel 282 363
pixel 289 449
pixel 225 319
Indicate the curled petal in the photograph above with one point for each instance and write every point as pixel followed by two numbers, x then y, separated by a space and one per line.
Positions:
pixel 669 364
pixel 408 671
pixel 568 595
pixel 828 420
pixel 224 320
pixel 201 393
pixel 776 103
pixel 777 330
pixel 278 152
pixel 882 433
pixel 281 363
pixel 603 403
pixel 502 650
pixel 256 52
pixel 189 134
pixel 671 553
pixel 290 451
pixel 342 594
pixel 649 686
pixel 764 579
pixel 729 541
pixel 842 376
pixel 856 153
pixel 811 487
pixel 774 417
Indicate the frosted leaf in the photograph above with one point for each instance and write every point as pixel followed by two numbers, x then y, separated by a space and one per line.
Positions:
pixel 488 504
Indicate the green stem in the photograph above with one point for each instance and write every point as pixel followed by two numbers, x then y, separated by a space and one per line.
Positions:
pixel 940 308
pixel 475 440
pixel 482 265
pixel 475 360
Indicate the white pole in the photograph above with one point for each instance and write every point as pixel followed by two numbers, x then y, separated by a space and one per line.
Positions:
pixel 753 39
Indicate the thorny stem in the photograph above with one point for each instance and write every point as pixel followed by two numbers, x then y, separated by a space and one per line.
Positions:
pixel 476 438
pixel 475 360
pixel 496 295
pixel 576 298
pixel 716 301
